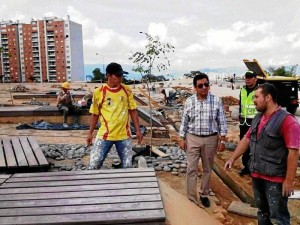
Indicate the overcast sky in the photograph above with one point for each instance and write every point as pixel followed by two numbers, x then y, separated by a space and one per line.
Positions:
pixel 205 33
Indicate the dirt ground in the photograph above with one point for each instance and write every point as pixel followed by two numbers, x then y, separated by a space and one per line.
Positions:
pixel 224 196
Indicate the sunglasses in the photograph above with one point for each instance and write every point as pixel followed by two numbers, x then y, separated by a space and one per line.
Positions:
pixel 201 85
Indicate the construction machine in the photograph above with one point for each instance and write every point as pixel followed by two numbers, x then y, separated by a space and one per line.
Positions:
pixel 287 87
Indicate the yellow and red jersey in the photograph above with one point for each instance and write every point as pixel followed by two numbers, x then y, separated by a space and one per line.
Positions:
pixel 112 105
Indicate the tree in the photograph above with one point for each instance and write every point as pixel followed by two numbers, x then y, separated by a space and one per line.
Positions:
pixel 98 75
pixel 154 57
pixel 286 71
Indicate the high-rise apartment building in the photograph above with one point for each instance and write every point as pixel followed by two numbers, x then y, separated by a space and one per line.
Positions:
pixel 46 50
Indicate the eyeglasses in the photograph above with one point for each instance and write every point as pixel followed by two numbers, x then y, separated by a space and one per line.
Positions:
pixel 201 85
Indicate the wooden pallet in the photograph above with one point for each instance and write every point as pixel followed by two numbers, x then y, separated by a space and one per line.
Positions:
pixel 21 154
pixel 119 196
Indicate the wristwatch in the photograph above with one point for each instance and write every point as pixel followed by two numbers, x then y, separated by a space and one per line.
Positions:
pixel 222 142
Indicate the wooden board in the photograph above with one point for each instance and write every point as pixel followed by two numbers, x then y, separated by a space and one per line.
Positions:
pixel 21 153
pixel 243 209
pixel 120 196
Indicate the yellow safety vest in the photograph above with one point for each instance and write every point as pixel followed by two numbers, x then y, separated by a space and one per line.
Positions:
pixel 247 106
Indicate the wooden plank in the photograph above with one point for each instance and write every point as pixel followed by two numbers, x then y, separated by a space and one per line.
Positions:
pixel 28 152
pixel 2 181
pixel 96 208
pixel 4 177
pixel 19 154
pixel 82 177
pixel 243 209
pixel 78 182
pixel 9 154
pixel 4 191
pixel 79 201
pixel 71 173
pixel 131 217
pixel 38 152
pixel 80 194
pixel 2 156
pixel 158 152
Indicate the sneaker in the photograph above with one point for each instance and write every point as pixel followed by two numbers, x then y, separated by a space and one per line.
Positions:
pixel 205 201
pixel 65 125
pixel 211 193
pixel 244 171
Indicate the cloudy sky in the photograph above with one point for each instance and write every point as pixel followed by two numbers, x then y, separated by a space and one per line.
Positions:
pixel 205 33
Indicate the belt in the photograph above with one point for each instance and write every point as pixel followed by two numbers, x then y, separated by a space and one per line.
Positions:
pixel 213 134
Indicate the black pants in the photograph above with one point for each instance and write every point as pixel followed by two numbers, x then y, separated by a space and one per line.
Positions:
pixel 243 130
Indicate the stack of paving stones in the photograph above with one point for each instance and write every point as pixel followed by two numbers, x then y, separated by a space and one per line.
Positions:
pixel 70 157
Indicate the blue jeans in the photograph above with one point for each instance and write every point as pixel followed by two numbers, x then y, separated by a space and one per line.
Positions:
pixel 272 206
pixel 102 147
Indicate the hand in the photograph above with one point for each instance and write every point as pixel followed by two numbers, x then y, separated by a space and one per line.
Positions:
pixel 287 188
pixel 139 136
pixel 228 165
pixel 182 145
pixel 89 139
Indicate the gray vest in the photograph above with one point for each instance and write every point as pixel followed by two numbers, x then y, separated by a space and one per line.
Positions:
pixel 268 153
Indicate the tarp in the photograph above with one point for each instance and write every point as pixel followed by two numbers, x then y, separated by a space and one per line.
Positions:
pixel 43 125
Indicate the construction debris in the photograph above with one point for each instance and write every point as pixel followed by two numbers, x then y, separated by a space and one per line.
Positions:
pixel 33 101
pixel 19 88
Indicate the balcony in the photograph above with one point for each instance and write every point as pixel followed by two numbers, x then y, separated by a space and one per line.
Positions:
pixel 50 34
pixel 35 39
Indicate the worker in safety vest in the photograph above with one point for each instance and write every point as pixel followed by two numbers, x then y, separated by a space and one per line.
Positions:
pixel 247 113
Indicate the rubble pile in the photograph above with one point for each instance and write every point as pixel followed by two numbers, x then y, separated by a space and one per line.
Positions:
pixel 175 161
pixel 19 88
pixel 33 101
pixel 229 100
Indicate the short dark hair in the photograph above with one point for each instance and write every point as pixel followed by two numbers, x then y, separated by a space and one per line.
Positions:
pixel 199 76
pixel 267 88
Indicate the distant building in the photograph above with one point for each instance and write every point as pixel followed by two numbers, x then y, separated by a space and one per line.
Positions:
pixel 46 50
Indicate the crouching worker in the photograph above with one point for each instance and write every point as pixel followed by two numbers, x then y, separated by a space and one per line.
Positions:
pixel 169 95
pixel 112 105
pixel 66 103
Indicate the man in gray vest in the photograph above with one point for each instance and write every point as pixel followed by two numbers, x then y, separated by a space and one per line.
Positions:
pixel 274 150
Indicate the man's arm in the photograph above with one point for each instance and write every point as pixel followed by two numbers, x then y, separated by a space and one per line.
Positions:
pixel 240 150
pixel 93 122
pixel 135 119
pixel 292 164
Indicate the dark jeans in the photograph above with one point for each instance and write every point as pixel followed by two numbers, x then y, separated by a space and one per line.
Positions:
pixel 272 206
pixel 246 156
pixel 171 98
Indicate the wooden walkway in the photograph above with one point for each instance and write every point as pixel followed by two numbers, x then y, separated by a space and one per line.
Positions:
pixel 120 196
pixel 21 154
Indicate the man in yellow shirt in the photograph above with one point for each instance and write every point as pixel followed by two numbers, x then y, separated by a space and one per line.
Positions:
pixel 112 104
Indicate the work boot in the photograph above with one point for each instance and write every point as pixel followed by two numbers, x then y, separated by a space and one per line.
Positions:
pixel 205 202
